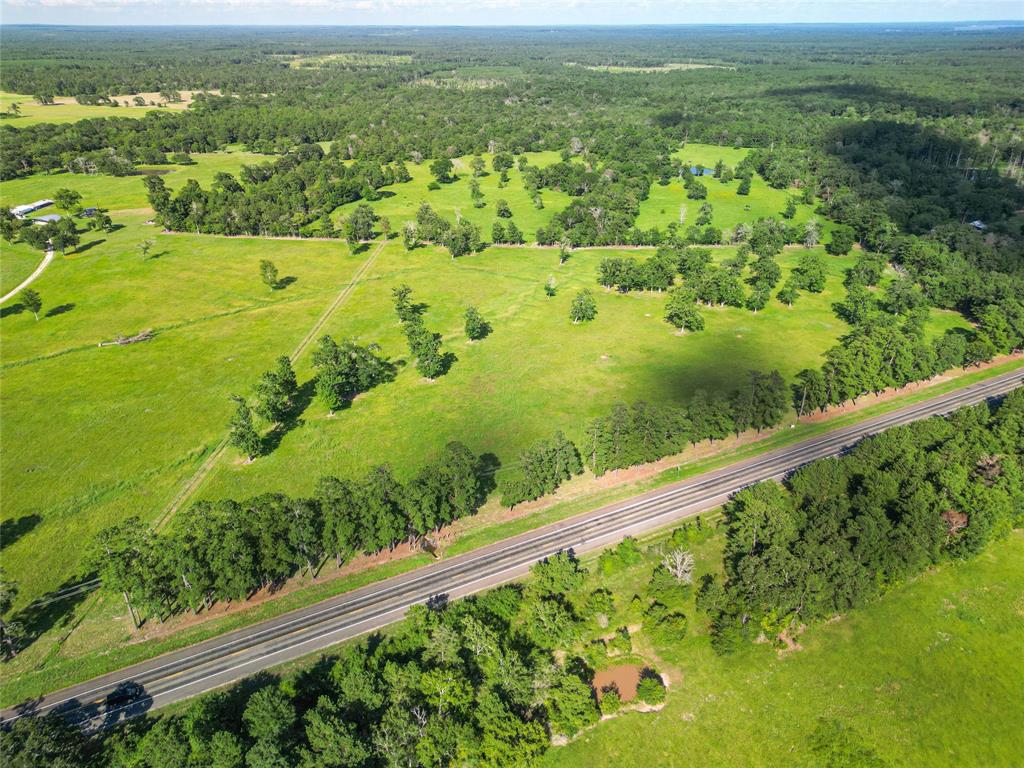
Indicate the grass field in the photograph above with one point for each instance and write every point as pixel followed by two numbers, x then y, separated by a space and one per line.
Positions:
pixel 17 261
pixel 138 420
pixel 67 110
pixel 929 675
pixel 453 199
pixel 117 193
pixel 92 434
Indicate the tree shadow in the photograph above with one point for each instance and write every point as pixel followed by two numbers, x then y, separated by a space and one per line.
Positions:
pixel 487 466
pixel 12 530
pixel 303 397
pixel 54 610
pixel 284 282
pixel 60 309
pixel 448 359
pixel 90 245
pixel 157 255
pixel 360 248
pixel 11 309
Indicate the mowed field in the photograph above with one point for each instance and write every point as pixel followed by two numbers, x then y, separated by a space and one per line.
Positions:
pixel 93 434
pixel 928 675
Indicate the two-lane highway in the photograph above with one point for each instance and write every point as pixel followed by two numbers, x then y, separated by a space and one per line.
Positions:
pixel 229 657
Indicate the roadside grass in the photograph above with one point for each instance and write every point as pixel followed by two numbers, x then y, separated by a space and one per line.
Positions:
pixel 401 201
pixel 116 193
pixel 898 672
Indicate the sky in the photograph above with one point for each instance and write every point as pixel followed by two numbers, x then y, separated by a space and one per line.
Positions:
pixel 485 12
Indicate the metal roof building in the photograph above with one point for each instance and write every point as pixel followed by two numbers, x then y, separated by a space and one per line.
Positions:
pixel 20 211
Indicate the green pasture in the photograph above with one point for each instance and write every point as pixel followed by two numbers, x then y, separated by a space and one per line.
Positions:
pixel 913 677
pixel 665 203
pixel 33 113
pixel 116 193
pixel 401 201
pixel 17 261
pixel 94 434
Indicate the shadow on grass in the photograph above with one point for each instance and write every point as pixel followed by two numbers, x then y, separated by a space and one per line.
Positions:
pixel 12 309
pixel 60 309
pixel 89 246
pixel 303 397
pixel 284 282
pixel 54 610
pixel 12 530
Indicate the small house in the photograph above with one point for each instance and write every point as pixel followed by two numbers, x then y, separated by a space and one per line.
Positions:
pixel 88 213
pixel 979 225
pixel 50 218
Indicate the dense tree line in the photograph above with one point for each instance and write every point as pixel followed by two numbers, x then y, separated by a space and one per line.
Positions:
pixel 227 550
pixel 843 529
pixel 642 433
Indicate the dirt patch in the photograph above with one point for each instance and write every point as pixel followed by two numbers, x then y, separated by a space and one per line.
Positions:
pixel 625 677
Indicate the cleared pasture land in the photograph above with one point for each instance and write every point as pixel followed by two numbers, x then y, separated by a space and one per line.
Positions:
pixel 92 435
pixel 66 109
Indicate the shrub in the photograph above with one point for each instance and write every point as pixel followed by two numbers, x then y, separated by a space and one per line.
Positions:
pixel 621 643
pixel 611 700
pixel 651 688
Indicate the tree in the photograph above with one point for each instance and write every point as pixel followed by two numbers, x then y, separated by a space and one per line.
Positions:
pixel 464 239
pixel 842 240
pixel 809 391
pixel 550 286
pixel 502 161
pixel 790 210
pixel 275 391
pixel 501 208
pixel 788 293
pixel 385 227
pixel 48 740
pixel 64 235
pixel 359 225
pixel 570 705
pixel 10 631
pixel 475 194
pixel 810 272
pixel 812 233
pixel 68 199
pixel 31 300
pixel 744 186
pixel 242 434
pixel 498 233
pixel 477 165
pixel 442 168
pixel 268 273
pixel 679 563
pixel 476 327
pixel 696 190
pixel 583 307
pixel 513 234
pixel 681 310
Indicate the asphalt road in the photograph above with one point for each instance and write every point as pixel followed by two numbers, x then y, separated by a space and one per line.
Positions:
pixel 221 660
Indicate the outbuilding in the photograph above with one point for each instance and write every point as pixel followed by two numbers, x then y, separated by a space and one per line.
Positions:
pixel 21 211
pixel 50 218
